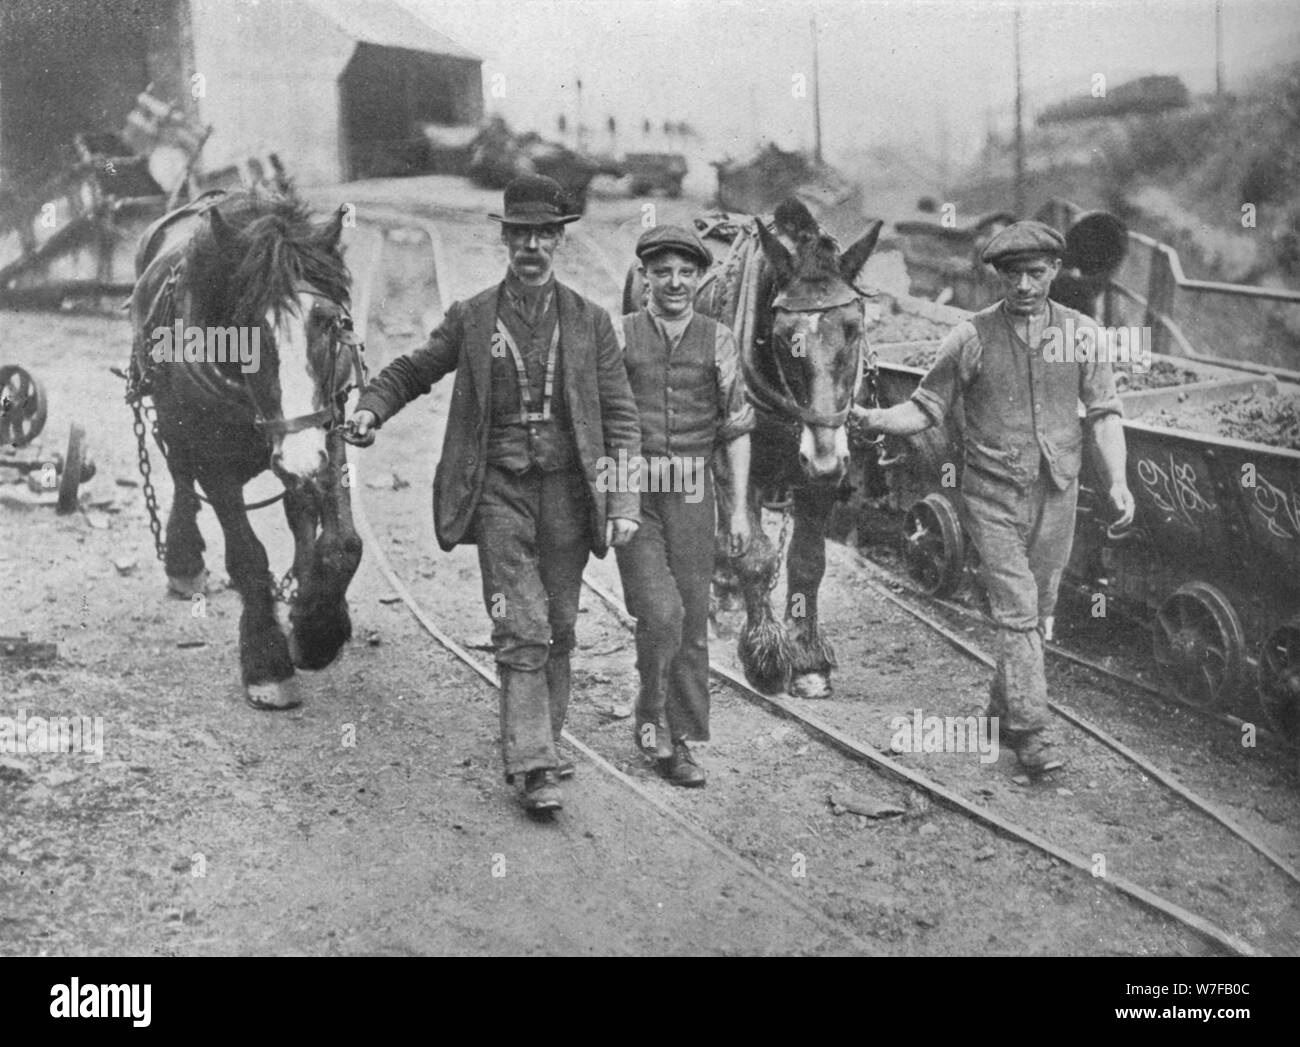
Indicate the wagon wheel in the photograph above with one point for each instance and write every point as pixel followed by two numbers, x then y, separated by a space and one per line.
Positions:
pixel 1198 641
pixel 1279 680
pixel 22 406
pixel 933 545
pixel 75 465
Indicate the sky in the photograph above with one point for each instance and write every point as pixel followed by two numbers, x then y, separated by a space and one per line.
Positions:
pixel 932 73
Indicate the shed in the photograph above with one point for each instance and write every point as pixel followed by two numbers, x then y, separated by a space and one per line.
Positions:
pixel 336 88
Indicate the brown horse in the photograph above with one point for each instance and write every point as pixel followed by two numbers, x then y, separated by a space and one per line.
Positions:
pixel 799 320
pixel 253 270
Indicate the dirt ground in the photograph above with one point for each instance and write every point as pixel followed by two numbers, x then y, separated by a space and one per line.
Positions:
pixel 374 819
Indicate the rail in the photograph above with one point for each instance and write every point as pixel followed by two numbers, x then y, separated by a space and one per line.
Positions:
pixel 1169 291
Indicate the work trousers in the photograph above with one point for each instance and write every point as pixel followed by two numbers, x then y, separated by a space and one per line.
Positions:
pixel 1024 536
pixel 533 542
pixel 666 571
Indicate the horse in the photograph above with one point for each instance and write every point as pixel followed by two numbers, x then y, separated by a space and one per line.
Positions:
pixel 253 269
pixel 799 321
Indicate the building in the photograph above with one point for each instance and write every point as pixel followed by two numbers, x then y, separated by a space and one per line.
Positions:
pixel 337 88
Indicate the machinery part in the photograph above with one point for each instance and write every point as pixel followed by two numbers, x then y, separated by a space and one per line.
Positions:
pixel 1279 680
pixel 22 648
pixel 933 545
pixel 1198 642
pixel 22 406
pixel 74 463
pixel 1096 244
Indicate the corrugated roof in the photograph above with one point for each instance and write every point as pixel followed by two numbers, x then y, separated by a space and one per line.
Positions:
pixel 388 24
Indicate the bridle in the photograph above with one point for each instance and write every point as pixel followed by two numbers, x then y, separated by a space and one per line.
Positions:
pixel 781 400
pixel 342 339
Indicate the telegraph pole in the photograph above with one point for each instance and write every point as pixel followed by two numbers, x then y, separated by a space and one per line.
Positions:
pixel 817 98
pixel 1020 125
pixel 1218 49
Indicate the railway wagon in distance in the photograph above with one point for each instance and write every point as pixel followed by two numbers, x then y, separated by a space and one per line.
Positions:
pixel 1212 560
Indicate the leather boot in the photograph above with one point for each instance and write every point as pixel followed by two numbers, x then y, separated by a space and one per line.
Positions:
pixel 558 682
pixel 650 729
pixel 525 723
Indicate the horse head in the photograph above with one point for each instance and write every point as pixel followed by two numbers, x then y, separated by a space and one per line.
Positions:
pixel 271 273
pixel 815 342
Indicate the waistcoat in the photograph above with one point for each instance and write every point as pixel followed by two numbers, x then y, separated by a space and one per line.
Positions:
pixel 1021 409
pixel 512 443
pixel 676 391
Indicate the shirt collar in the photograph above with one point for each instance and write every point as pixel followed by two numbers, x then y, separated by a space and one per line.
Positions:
pixel 671 327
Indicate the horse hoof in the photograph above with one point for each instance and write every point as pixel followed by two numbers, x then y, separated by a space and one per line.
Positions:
pixel 811 685
pixel 273 697
pixel 187 588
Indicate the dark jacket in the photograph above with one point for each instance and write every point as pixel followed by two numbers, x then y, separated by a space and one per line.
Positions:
pixel 595 389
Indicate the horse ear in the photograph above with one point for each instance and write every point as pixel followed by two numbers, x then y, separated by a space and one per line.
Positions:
pixel 221 231
pixel 856 256
pixel 778 257
pixel 333 231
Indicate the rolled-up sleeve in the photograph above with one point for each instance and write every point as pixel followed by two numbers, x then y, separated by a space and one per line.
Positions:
pixel 735 412
pixel 1097 389
pixel 952 371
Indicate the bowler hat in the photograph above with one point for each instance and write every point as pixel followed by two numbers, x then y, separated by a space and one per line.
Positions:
pixel 1023 238
pixel 662 238
pixel 535 200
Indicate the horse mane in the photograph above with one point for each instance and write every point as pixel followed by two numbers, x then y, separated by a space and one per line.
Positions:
pixel 272 246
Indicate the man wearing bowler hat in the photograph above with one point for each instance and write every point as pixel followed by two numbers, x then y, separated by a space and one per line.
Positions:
pixel 685 375
pixel 540 398
pixel 1022 446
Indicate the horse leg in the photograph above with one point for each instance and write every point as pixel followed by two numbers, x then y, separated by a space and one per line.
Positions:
pixel 764 648
pixel 325 564
pixel 184 558
pixel 812 657
pixel 265 667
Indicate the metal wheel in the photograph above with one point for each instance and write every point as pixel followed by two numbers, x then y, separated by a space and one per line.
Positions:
pixel 1279 680
pixel 933 545
pixel 74 463
pixel 1198 642
pixel 22 406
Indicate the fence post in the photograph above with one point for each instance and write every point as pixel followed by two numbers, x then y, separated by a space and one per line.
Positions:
pixel 1160 301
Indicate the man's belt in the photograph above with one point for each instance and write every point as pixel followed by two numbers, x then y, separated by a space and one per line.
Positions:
pixel 526 412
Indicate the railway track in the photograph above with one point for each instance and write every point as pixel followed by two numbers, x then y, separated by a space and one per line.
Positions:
pixel 820 729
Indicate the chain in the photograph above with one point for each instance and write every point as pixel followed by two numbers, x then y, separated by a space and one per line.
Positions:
pixel 286 589
pixel 782 544
pixel 150 497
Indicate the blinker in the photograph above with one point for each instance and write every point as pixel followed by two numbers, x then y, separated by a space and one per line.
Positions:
pixel 795 303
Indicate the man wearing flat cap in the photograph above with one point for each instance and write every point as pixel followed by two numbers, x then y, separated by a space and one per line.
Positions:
pixel 540 398
pixel 1022 448
pixel 684 369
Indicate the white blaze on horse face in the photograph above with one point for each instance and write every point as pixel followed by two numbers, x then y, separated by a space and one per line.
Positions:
pixel 300 454
pixel 823 451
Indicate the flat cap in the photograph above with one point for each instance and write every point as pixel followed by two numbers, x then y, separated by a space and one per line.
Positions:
pixel 662 238
pixel 1023 238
